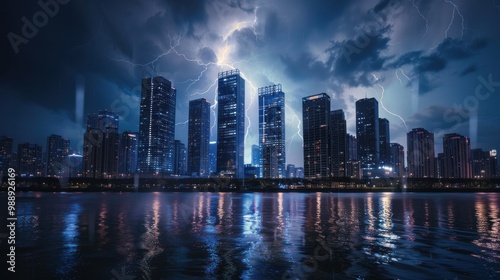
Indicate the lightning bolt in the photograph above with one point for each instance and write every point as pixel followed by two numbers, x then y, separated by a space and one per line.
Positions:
pixel 422 16
pixel 299 123
pixel 182 123
pixel 224 61
pixel 382 102
pixel 457 11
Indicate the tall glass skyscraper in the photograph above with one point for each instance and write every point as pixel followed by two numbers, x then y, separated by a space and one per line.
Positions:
pixel 100 147
pixel 57 156
pixel 398 159
pixel 367 133
pixel 231 124
pixel 339 139
pixel 420 153
pixel 127 155
pixel 180 158
pixel 385 142
pixel 272 131
pixel 156 127
pixel 457 159
pixel 199 137
pixel 316 121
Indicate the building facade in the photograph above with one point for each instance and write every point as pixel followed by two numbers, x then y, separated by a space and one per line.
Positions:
pixel 272 131
pixel 100 147
pixel 397 159
pixel 367 134
pixel 198 137
pixel 57 156
pixel 338 143
pixel 231 124
pixel 385 142
pixel 156 127
pixel 6 157
pixel 316 121
pixel 127 154
pixel 30 160
pixel 456 150
pixel 420 153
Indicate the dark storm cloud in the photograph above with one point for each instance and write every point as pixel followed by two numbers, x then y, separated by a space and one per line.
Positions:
pixel 440 119
pixel 424 65
pixel 304 66
pixel 207 55
pixel 470 69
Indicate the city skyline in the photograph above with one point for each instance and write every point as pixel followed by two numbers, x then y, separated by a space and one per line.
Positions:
pixel 433 64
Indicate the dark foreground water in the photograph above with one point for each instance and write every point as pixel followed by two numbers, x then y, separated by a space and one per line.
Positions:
pixel 256 236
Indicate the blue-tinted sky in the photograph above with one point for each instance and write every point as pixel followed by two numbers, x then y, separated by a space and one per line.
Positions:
pixel 423 61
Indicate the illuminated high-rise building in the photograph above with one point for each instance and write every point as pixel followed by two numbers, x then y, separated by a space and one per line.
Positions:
pixel 198 137
pixel 272 131
pixel 231 124
pixel 156 127
pixel 127 155
pixel 456 149
pixel 57 156
pixel 420 153
pixel 338 143
pixel 316 121
pixel 6 158
pixel 30 160
pixel 100 146
pixel 180 158
pixel 397 159
pixel 212 157
pixel 385 142
pixel 367 134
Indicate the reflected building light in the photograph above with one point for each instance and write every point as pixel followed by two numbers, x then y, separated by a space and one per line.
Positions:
pixel 451 218
pixel 369 212
pixel 409 220
pixel 426 208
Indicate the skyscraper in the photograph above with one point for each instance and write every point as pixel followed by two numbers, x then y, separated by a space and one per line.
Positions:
pixel 127 154
pixel 397 159
pixel 198 137
pixel 212 157
pixel 57 156
pixel 272 131
pixel 180 158
pixel 420 153
pixel 231 124
pixel 316 121
pixel 156 126
pixel 255 155
pixel 290 171
pixel 338 142
pixel 30 160
pixel 456 149
pixel 385 142
pixel 100 147
pixel 367 134
pixel 351 148
pixel 6 144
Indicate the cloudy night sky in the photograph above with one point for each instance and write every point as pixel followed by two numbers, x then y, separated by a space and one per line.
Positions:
pixel 430 64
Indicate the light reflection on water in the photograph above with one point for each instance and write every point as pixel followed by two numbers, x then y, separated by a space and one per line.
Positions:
pixel 258 235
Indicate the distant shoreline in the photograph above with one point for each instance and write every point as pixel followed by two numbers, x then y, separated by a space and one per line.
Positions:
pixel 305 190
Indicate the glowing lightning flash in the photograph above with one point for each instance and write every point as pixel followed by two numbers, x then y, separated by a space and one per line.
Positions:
pixel 382 102
pixel 299 122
